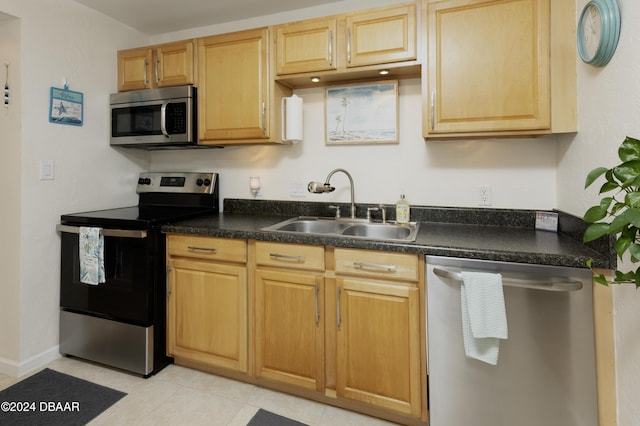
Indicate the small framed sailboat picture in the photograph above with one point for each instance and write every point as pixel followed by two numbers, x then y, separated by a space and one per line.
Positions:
pixel 362 113
pixel 66 107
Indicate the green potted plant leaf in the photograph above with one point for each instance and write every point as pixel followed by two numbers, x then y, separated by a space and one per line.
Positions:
pixel 618 213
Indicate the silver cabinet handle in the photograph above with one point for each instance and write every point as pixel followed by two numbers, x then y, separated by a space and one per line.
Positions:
pixel 339 317
pixel 168 285
pixel 122 233
pixel 207 249
pixel 264 126
pixel 349 45
pixel 156 71
pixel 330 48
pixel 144 69
pixel 530 283
pixel 317 291
pixel 278 256
pixel 364 265
pixel 433 112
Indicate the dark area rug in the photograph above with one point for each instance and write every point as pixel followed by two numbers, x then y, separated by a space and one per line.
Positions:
pixel 53 398
pixel 267 418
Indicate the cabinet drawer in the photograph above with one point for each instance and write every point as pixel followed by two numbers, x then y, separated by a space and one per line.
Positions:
pixel 378 264
pixel 296 256
pixel 207 248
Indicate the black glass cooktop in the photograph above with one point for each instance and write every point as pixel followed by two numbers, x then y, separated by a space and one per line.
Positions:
pixel 138 217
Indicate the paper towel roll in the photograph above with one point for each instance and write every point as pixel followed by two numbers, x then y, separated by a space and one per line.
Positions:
pixel 292 127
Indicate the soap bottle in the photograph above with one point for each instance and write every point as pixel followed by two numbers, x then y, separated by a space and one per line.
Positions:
pixel 402 210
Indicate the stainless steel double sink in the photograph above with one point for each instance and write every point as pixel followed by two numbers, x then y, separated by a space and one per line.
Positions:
pixel 348 228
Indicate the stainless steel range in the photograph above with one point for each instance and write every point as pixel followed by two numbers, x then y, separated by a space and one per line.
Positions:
pixel 121 320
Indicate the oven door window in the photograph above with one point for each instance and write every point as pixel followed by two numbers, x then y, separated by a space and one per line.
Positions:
pixel 146 120
pixel 128 292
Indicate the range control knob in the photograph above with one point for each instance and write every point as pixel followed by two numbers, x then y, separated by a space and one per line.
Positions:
pixel 199 182
pixel 207 182
pixel 144 181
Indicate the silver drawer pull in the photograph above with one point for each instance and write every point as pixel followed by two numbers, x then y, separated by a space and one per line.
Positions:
pixel 317 291
pixel 207 249
pixel 377 267
pixel 278 256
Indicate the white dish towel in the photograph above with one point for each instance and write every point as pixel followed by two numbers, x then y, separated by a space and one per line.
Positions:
pixel 91 255
pixel 484 317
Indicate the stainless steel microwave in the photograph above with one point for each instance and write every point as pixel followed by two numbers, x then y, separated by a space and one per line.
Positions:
pixel 155 118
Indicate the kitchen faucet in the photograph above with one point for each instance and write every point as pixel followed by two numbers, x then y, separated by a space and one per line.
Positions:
pixel 320 188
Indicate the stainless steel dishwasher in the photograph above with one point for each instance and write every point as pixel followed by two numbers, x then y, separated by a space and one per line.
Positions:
pixel 546 368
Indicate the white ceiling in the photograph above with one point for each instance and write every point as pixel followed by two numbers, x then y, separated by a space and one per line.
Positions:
pixel 163 16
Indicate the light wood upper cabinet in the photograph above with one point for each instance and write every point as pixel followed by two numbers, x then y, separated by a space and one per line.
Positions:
pixel 171 64
pixel 345 46
pixel 306 46
pixel 207 301
pixel 381 36
pixel 237 98
pixel 498 68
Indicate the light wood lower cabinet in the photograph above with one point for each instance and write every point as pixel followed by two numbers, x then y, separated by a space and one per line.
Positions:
pixel 378 329
pixel 342 326
pixel 207 301
pixel 289 323
pixel 378 354
pixel 289 331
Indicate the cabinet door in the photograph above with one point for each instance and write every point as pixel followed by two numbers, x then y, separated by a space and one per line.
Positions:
pixel 208 313
pixel 289 328
pixel 134 69
pixel 378 354
pixel 233 86
pixel 381 36
pixel 306 46
pixel 488 67
pixel 174 64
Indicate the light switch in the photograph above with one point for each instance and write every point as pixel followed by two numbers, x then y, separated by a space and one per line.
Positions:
pixel 47 169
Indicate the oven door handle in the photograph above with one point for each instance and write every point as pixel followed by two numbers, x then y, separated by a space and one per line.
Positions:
pixel 123 233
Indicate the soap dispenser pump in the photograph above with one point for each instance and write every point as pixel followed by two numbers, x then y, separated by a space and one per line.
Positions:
pixel 402 210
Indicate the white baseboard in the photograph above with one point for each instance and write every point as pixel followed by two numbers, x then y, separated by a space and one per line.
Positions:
pixel 19 369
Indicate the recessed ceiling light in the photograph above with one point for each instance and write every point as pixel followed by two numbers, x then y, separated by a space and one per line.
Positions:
pixel 383 72
pixel 315 79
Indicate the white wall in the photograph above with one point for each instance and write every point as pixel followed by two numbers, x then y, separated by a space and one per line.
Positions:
pixel 609 101
pixel 10 170
pixel 520 172
pixel 54 40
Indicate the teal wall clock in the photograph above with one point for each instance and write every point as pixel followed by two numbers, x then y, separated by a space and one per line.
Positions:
pixel 598 31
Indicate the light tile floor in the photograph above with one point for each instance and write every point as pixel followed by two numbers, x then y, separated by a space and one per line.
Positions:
pixel 179 395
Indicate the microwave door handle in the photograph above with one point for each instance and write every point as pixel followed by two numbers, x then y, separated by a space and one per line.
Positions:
pixel 163 119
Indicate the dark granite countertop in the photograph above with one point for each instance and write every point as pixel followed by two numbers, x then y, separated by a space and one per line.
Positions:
pixel 489 234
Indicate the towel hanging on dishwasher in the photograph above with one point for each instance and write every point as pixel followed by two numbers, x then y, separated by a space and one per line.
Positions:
pixel 484 318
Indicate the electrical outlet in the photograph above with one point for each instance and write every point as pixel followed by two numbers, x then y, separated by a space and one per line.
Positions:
pixel 297 188
pixel 484 196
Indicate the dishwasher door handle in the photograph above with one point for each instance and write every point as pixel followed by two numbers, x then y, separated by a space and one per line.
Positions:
pixel 531 283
